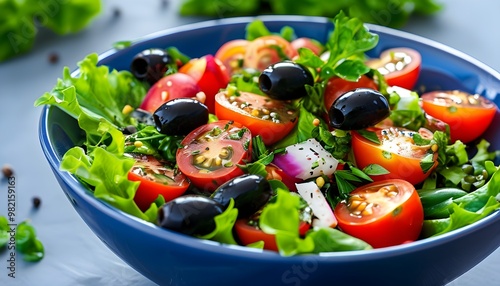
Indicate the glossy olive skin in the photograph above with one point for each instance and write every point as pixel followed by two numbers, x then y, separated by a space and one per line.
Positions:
pixel 150 64
pixel 358 109
pixel 285 80
pixel 180 116
pixel 250 193
pixel 190 214
pixel 143 116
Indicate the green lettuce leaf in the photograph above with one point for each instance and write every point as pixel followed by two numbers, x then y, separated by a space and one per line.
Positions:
pixel 224 223
pixel 467 209
pixel 96 91
pixel 17 21
pixel 28 243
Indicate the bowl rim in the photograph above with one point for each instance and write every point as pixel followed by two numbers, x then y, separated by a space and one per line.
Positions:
pixel 138 224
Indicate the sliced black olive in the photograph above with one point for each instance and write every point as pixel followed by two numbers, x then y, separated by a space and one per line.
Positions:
pixel 358 109
pixel 285 80
pixel 151 64
pixel 190 214
pixel 180 116
pixel 250 193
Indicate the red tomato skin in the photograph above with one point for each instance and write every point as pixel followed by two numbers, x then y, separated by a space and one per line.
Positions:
pixel 210 74
pixel 408 76
pixel 269 131
pixel 336 86
pixel 148 191
pixel 401 225
pixel 208 182
pixel 466 123
pixel 308 43
pixel 172 86
pixel 248 234
pixel 399 167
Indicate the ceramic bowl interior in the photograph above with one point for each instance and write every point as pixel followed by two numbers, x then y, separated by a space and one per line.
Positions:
pixel 170 258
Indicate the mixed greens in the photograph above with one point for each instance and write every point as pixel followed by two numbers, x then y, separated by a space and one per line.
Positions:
pixel 97 98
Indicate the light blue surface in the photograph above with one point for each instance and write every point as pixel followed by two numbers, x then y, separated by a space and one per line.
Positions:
pixel 74 255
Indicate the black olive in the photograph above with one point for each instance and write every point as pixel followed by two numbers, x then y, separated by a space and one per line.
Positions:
pixel 250 193
pixel 143 116
pixel 180 116
pixel 151 64
pixel 190 214
pixel 285 80
pixel 358 109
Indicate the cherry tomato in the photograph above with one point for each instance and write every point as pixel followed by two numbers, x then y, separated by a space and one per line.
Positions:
pixel 400 66
pixel 308 43
pixel 467 115
pixel 267 50
pixel 382 214
pixel 397 153
pixel 210 74
pixel 248 234
pixel 269 118
pixel 172 86
pixel 336 86
pixel 231 54
pixel 210 153
pixel 156 178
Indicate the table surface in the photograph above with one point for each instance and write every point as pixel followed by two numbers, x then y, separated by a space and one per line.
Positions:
pixel 74 255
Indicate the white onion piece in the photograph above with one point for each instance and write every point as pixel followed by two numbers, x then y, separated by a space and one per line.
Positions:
pixel 306 160
pixel 310 192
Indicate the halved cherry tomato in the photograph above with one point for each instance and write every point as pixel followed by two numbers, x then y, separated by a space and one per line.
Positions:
pixel 269 118
pixel 308 43
pixel 267 50
pixel 210 74
pixel 211 152
pixel 397 153
pixel 384 213
pixel 231 54
pixel 156 178
pixel 336 86
pixel 467 115
pixel 248 234
pixel 172 86
pixel 400 66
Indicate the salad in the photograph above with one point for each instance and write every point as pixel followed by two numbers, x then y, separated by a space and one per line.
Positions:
pixel 282 143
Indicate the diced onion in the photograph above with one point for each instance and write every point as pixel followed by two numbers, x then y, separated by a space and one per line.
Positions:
pixel 306 160
pixel 310 192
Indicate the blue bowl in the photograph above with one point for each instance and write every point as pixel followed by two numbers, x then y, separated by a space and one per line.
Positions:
pixel 170 258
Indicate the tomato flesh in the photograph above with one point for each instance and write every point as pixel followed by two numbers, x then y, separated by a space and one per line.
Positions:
pixel 155 179
pixel 400 66
pixel 267 50
pixel 467 115
pixel 210 153
pixel 383 214
pixel 269 118
pixel 231 54
pixel 397 153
